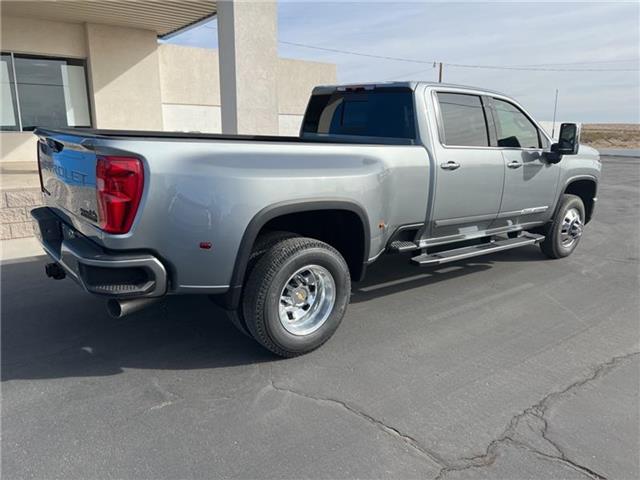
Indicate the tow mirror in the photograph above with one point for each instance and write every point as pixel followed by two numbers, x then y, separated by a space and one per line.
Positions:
pixel 568 143
pixel 569 139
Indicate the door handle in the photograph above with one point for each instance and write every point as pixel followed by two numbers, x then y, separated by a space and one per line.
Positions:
pixel 450 165
pixel 514 164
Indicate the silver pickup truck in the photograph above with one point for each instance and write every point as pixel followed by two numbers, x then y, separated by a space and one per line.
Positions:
pixel 275 229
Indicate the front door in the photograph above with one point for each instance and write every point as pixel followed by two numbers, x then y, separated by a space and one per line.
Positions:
pixel 469 174
pixel 530 181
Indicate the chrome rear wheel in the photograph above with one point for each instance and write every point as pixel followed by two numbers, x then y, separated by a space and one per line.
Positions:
pixel 307 299
pixel 296 296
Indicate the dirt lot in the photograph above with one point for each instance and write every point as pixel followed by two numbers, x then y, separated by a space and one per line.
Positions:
pixel 611 135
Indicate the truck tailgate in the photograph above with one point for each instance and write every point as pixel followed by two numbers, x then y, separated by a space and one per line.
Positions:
pixel 68 174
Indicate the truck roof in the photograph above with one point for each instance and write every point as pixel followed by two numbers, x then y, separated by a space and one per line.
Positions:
pixel 412 84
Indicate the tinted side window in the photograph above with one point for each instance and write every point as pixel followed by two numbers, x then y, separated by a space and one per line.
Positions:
pixel 376 113
pixel 463 120
pixel 514 128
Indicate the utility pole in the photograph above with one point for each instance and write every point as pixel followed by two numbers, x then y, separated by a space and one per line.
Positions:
pixel 555 109
pixel 440 73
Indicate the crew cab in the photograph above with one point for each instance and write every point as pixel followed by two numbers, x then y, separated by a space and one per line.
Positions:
pixel 275 229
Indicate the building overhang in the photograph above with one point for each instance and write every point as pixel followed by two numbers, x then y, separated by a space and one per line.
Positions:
pixel 165 17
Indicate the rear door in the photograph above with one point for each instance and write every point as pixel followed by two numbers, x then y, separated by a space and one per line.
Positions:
pixel 469 172
pixel 530 182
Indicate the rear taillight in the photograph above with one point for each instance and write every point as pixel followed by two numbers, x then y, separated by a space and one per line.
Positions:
pixel 119 182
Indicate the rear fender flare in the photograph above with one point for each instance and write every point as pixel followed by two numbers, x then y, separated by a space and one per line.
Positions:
pixel 232 300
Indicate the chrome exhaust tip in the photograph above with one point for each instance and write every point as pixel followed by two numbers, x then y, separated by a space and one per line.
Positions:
pixel 121 307
pixel 55 271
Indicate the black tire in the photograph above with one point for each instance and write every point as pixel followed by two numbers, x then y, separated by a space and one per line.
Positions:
pixel 262 244
pixel 265 284
pixel 552 246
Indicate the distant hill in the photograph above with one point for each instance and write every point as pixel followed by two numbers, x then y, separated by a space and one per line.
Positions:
pixel 611 135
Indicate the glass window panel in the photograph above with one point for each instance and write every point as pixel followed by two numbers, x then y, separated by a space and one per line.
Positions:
pixel 463 120
pixel 384 113
pixel 52 92
pixel 515 130
pixel 75 95
pixel 8 105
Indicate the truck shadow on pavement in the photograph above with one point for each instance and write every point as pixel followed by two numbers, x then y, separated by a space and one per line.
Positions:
pixel 393 273
pixel 54 330
pixel 51 329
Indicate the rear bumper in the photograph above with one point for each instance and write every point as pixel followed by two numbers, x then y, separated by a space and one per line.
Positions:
pixel 95 269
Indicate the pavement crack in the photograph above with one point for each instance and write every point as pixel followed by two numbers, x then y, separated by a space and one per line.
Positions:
pixel 169 398
pixel 561 458
pixel 537 412
pixel 597 372
pixel 391 431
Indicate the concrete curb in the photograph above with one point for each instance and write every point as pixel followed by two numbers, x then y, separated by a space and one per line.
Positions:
pixel 613 152
pixel 20 249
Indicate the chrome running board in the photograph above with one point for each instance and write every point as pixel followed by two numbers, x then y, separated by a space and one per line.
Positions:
pixel 476 250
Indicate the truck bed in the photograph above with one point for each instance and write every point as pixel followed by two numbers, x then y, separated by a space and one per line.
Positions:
pixel 149 134
pixel 208 187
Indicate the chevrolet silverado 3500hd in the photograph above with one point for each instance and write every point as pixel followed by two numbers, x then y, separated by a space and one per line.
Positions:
pixel 274 229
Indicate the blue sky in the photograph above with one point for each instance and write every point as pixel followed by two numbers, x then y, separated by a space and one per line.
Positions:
pixel 575 35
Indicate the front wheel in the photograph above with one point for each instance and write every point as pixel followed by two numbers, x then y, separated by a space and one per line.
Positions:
pixel 565 231
pixel 296 296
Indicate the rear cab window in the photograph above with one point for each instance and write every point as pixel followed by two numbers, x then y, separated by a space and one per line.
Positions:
pixel 463 120
pixel 378 112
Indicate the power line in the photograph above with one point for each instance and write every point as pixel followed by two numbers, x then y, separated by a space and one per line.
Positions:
pixel 540 68
pixel 594 62
pixel 360 54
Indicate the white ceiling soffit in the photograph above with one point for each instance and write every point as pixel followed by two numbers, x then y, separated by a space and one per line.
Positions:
pixel 165 17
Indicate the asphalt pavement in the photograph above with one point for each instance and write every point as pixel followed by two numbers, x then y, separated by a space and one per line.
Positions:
pixel 509 366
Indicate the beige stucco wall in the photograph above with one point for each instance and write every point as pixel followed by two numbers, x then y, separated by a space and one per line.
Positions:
pixel 124 76
pixel 28 35
pixel 17 147
pixel 296 79
pixel 189 75
pixel 190 87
